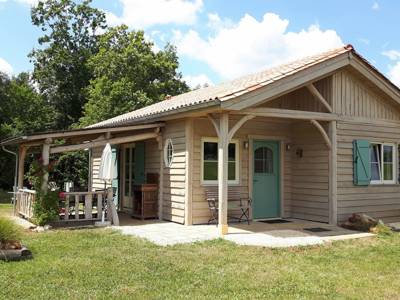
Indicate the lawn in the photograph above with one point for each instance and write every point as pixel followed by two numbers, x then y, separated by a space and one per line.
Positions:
pixel 102 264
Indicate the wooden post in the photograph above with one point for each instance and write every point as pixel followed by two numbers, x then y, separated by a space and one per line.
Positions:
pixel 46 160
pixel 160 178
pixel 223 174
pixel 76 207
pixel 21 164
pixel 188 171
pixel 333 173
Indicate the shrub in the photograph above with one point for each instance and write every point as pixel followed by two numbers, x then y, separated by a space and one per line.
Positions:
pixel 45 208
pixel 9 231
pixel 382 229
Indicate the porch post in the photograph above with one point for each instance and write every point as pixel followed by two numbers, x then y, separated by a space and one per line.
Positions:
pixel 45 158
pixel 333 173
pixel 21 162
pixel 160 178
pixel 223 174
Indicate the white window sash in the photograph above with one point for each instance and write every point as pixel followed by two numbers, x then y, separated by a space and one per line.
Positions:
pixel 381 163
pixel 237 161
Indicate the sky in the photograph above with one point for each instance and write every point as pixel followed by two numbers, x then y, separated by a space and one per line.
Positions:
pixel 220 40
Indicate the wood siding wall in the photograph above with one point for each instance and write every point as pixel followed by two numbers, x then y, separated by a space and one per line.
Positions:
pixel 310 174
pixel 355 97
pixel 376 120
pixel 96 183
pixel 379 201
pixel 257 127
pixel 302 99
pixel 174 177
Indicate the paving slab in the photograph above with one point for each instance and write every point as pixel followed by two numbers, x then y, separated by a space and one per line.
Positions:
pixel 289 234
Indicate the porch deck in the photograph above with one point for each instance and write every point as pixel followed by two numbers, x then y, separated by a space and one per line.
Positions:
pixel 290 234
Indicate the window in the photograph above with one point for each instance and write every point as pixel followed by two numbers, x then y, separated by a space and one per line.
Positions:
pixel 263 161
pixel 209 165
pixel 168 153
pixel 382 160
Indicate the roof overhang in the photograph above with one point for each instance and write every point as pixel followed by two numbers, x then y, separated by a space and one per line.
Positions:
pixel 312 74
pixel 36 138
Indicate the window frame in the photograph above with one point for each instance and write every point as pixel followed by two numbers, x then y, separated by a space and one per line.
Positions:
pixel 237 161
pixel 168 163
pixel 381 164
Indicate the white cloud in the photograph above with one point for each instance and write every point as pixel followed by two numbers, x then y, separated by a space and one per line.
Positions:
pixel 5 67
pixel 251 45
pixel 375 6
pixel 197 80
pixel 392 54
pixel 142 14
pixel 394 74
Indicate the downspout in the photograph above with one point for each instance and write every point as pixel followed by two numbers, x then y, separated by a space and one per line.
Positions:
pixel 15 176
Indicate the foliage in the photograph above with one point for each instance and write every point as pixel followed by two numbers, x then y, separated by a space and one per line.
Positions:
pixel 129 74
pixel 45 208
pixel 71 166
pixel 70 38
pixel 22 111
pixel 382 230
pixel 9 231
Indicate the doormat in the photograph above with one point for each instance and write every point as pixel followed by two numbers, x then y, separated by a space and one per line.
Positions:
pixel 277 221
pixel 317 229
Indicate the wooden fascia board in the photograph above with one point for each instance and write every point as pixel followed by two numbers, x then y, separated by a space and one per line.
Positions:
pixel 288 84
pixel 90 131
pixel 371 75
pixel 92 144
pixel 289 114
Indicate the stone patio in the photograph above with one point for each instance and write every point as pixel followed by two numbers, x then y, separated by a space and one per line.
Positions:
pixel 289 234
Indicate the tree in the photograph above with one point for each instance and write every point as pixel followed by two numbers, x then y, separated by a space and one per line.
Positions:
pixel 129 74
pixel 60 64
pixel 22 111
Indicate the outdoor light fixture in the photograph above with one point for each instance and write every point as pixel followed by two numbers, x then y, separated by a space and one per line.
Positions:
pixel 299 152
pixel 288 146
pixel 246 145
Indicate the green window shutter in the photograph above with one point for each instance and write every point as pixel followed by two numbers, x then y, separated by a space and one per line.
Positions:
pixel 361 162
pixel 115 181
pixel 139 163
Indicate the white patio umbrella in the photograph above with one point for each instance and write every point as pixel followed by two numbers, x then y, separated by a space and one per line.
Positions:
pixel 106 170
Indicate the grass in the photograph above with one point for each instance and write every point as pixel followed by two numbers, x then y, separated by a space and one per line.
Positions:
pixel 5 197
pixel 102 264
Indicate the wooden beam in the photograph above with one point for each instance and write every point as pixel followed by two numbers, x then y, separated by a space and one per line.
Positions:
pixel 238 125
pixel 45 161
pixel 333 174
pixel 21 164
pixel 313 90
pixel 89 131
pixel 214 122
pixel 323 133
pixel 223 174
pixel 289 114
pixel 189 171
pixel 119 140
pixel 160 178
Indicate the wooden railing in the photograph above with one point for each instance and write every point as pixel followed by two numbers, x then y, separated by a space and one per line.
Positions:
pixel 24 205
pixel 87 206
pixel 74 206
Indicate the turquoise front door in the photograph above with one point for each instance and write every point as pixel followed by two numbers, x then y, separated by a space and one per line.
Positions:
pixel 266 180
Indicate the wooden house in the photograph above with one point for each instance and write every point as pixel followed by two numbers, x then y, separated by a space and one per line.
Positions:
pixel 315 139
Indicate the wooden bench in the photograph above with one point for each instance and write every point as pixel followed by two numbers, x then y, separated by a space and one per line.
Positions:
pixel 235 202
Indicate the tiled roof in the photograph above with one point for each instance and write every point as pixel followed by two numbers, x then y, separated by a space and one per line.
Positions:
pixel 224 91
